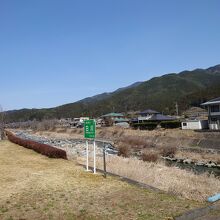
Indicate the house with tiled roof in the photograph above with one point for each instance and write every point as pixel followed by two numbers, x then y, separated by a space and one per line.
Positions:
pixel 152 115
pixel 213 107
pixel 113 118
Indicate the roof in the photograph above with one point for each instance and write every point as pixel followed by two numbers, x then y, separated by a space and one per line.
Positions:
pixel 149 111
pixel 113 114
pixel 212 101
pixel 196 120
pixel 160 117
pixel 121 120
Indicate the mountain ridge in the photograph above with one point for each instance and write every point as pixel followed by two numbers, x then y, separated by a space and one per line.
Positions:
pixel 160 93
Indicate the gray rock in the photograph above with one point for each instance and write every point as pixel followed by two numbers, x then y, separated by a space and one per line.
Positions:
pixel 187 161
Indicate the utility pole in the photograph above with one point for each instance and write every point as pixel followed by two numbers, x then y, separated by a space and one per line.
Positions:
pixel 2 123
pixel 177 109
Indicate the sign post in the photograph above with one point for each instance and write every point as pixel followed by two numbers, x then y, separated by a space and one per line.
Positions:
pixel 87 156
pixel 90 133
pixel 94 157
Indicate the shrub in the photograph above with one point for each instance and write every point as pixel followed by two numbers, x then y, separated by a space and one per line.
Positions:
pixel 124 150
pixel 150 156
pixel 170 124
pixel 168 151
pixel 43 149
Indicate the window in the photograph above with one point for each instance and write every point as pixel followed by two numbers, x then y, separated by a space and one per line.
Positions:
pixel 214 108
pixel 213 119
pixel 184 124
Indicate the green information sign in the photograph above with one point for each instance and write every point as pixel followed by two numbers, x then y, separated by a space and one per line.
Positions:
pixel 89 128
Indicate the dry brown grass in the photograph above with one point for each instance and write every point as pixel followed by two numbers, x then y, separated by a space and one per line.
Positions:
pixel 168 151
pixel 149 156
pixel 182 183
pixel 135 142
pixel 36 187
pixel 124 151
pixel 108 131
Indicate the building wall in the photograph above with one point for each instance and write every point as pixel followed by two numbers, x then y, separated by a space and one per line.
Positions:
pixel 214 118
pixel 195 125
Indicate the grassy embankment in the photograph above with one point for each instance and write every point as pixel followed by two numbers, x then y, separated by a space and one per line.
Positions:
pixel 170 179
pixel 36 187
pixel 181 183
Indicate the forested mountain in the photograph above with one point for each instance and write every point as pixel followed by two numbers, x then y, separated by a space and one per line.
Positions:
pixel 188 88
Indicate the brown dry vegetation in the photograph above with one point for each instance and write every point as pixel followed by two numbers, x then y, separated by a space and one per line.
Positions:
pixel 170 179
pixel 149 156
pixel 36 187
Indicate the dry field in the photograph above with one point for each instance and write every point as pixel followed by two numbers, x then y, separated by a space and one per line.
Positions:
pixel 36 187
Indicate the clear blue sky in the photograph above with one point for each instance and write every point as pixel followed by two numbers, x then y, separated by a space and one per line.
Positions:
pixel 54 52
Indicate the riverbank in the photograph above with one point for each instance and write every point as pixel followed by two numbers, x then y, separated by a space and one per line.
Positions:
pixel 182 183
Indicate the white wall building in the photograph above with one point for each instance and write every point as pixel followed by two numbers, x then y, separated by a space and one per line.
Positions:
pixel 194 124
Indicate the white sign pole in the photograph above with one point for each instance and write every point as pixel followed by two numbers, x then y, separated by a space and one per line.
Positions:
pixel 87 156
pixel 94 159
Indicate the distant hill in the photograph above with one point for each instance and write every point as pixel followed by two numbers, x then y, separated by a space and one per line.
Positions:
pixel 188 88
pixel 107 95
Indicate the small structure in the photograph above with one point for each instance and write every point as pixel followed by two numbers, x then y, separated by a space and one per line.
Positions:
pixel 152 115
pixel 78 122
pixel 194 124
pixel 114 118
pixel 213 113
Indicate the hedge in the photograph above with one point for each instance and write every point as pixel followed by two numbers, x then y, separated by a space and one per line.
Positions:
pixel 145 126
pixel 43 149
pixel 170 124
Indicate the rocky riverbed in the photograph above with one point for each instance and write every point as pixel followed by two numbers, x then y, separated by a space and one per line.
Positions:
pixel 197 167
pixel 77 148
pixel 73 147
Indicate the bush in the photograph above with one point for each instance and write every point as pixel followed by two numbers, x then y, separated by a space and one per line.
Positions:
pixel 43 149
pixel 170 124
pixel 145 126
pixel 168 151
pixel 124 150
pixel 150 156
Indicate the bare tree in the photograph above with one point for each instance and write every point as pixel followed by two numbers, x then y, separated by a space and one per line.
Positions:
pixel 2 123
